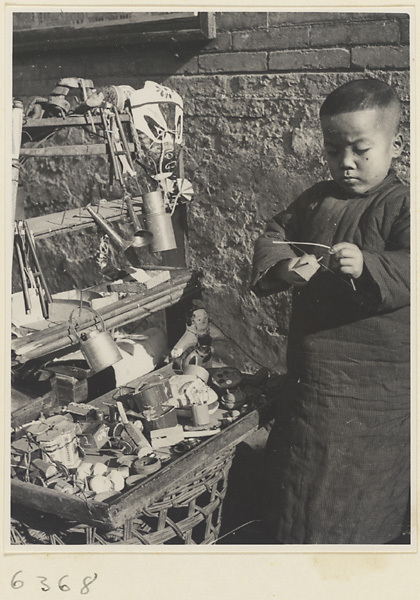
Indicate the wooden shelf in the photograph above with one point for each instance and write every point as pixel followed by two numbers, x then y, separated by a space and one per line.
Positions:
pixel 75 218
pixel 69 121
pixel 135 307
pixel 54 123
pixel 78 218
pixel 71 150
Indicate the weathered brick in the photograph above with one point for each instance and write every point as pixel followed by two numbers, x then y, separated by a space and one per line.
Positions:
pixel 285 85
pixel 166 63
pixel 405 30
pixel 189 67
pixel 221 43
pixel 157 67
pixel 199 85
pixel 384 75
pixel 280 18
pixel 231 21
pixel 373 32
pixel 380 57
pixel 309 59
pixel 273 39
pixel 245 62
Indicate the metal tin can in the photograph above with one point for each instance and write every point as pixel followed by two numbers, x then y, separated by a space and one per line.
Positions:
pixel 60 444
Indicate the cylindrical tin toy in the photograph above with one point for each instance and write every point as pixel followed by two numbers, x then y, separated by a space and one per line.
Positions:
pixel 150 398
pixel 158 222
pixel 60 444
pixel 200 414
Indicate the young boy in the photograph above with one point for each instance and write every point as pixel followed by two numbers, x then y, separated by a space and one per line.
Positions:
pixel 338 459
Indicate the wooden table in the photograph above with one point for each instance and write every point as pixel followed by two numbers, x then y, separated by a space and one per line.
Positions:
pixel 189 469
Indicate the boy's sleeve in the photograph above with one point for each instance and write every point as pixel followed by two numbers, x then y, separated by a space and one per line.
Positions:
pixel 284 226
pixel 387 273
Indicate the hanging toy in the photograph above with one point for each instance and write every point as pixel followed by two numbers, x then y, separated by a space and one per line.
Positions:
pixel 158 116
pixel 102 254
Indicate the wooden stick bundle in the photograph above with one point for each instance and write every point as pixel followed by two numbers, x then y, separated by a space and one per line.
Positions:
pixel 86 321
pixel 135 311
pixel 44 349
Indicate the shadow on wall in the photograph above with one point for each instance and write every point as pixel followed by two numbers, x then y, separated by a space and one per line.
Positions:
pixel 37 73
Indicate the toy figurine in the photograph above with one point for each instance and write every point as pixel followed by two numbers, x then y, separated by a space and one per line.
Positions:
pixel 197 327
pixel 195 346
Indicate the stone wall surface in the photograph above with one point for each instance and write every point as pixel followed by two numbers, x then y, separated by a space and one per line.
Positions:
pixel 253 143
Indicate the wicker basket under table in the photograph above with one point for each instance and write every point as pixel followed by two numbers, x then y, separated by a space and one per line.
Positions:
pixel 188 513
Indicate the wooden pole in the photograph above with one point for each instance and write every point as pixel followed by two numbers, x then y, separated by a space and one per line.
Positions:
pixel 138 313
pixel 87 321
pixel 17 118
pixel 35 349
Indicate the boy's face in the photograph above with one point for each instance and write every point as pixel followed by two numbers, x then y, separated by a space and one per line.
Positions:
pixel 360 146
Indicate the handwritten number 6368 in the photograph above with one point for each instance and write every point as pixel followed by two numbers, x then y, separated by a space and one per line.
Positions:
pixel 17 583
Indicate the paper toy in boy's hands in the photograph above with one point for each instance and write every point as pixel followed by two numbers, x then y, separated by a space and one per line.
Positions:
pixel 306 266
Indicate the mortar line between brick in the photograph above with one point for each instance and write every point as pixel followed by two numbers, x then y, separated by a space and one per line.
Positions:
pixel 346 70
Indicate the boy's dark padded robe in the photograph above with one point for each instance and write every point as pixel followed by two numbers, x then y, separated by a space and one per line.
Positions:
pixel 338 455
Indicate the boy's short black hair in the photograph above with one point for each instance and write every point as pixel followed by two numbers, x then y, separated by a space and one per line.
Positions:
pixel 360 94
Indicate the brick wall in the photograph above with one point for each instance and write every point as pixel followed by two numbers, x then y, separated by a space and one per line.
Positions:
pixel 253 142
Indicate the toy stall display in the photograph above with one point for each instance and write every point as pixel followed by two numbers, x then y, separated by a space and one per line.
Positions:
pixel 161 435
pixel 132 432
pixel 142 135
pixel 143 464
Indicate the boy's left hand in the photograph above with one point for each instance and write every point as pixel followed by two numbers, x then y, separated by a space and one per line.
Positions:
pixel 349 258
